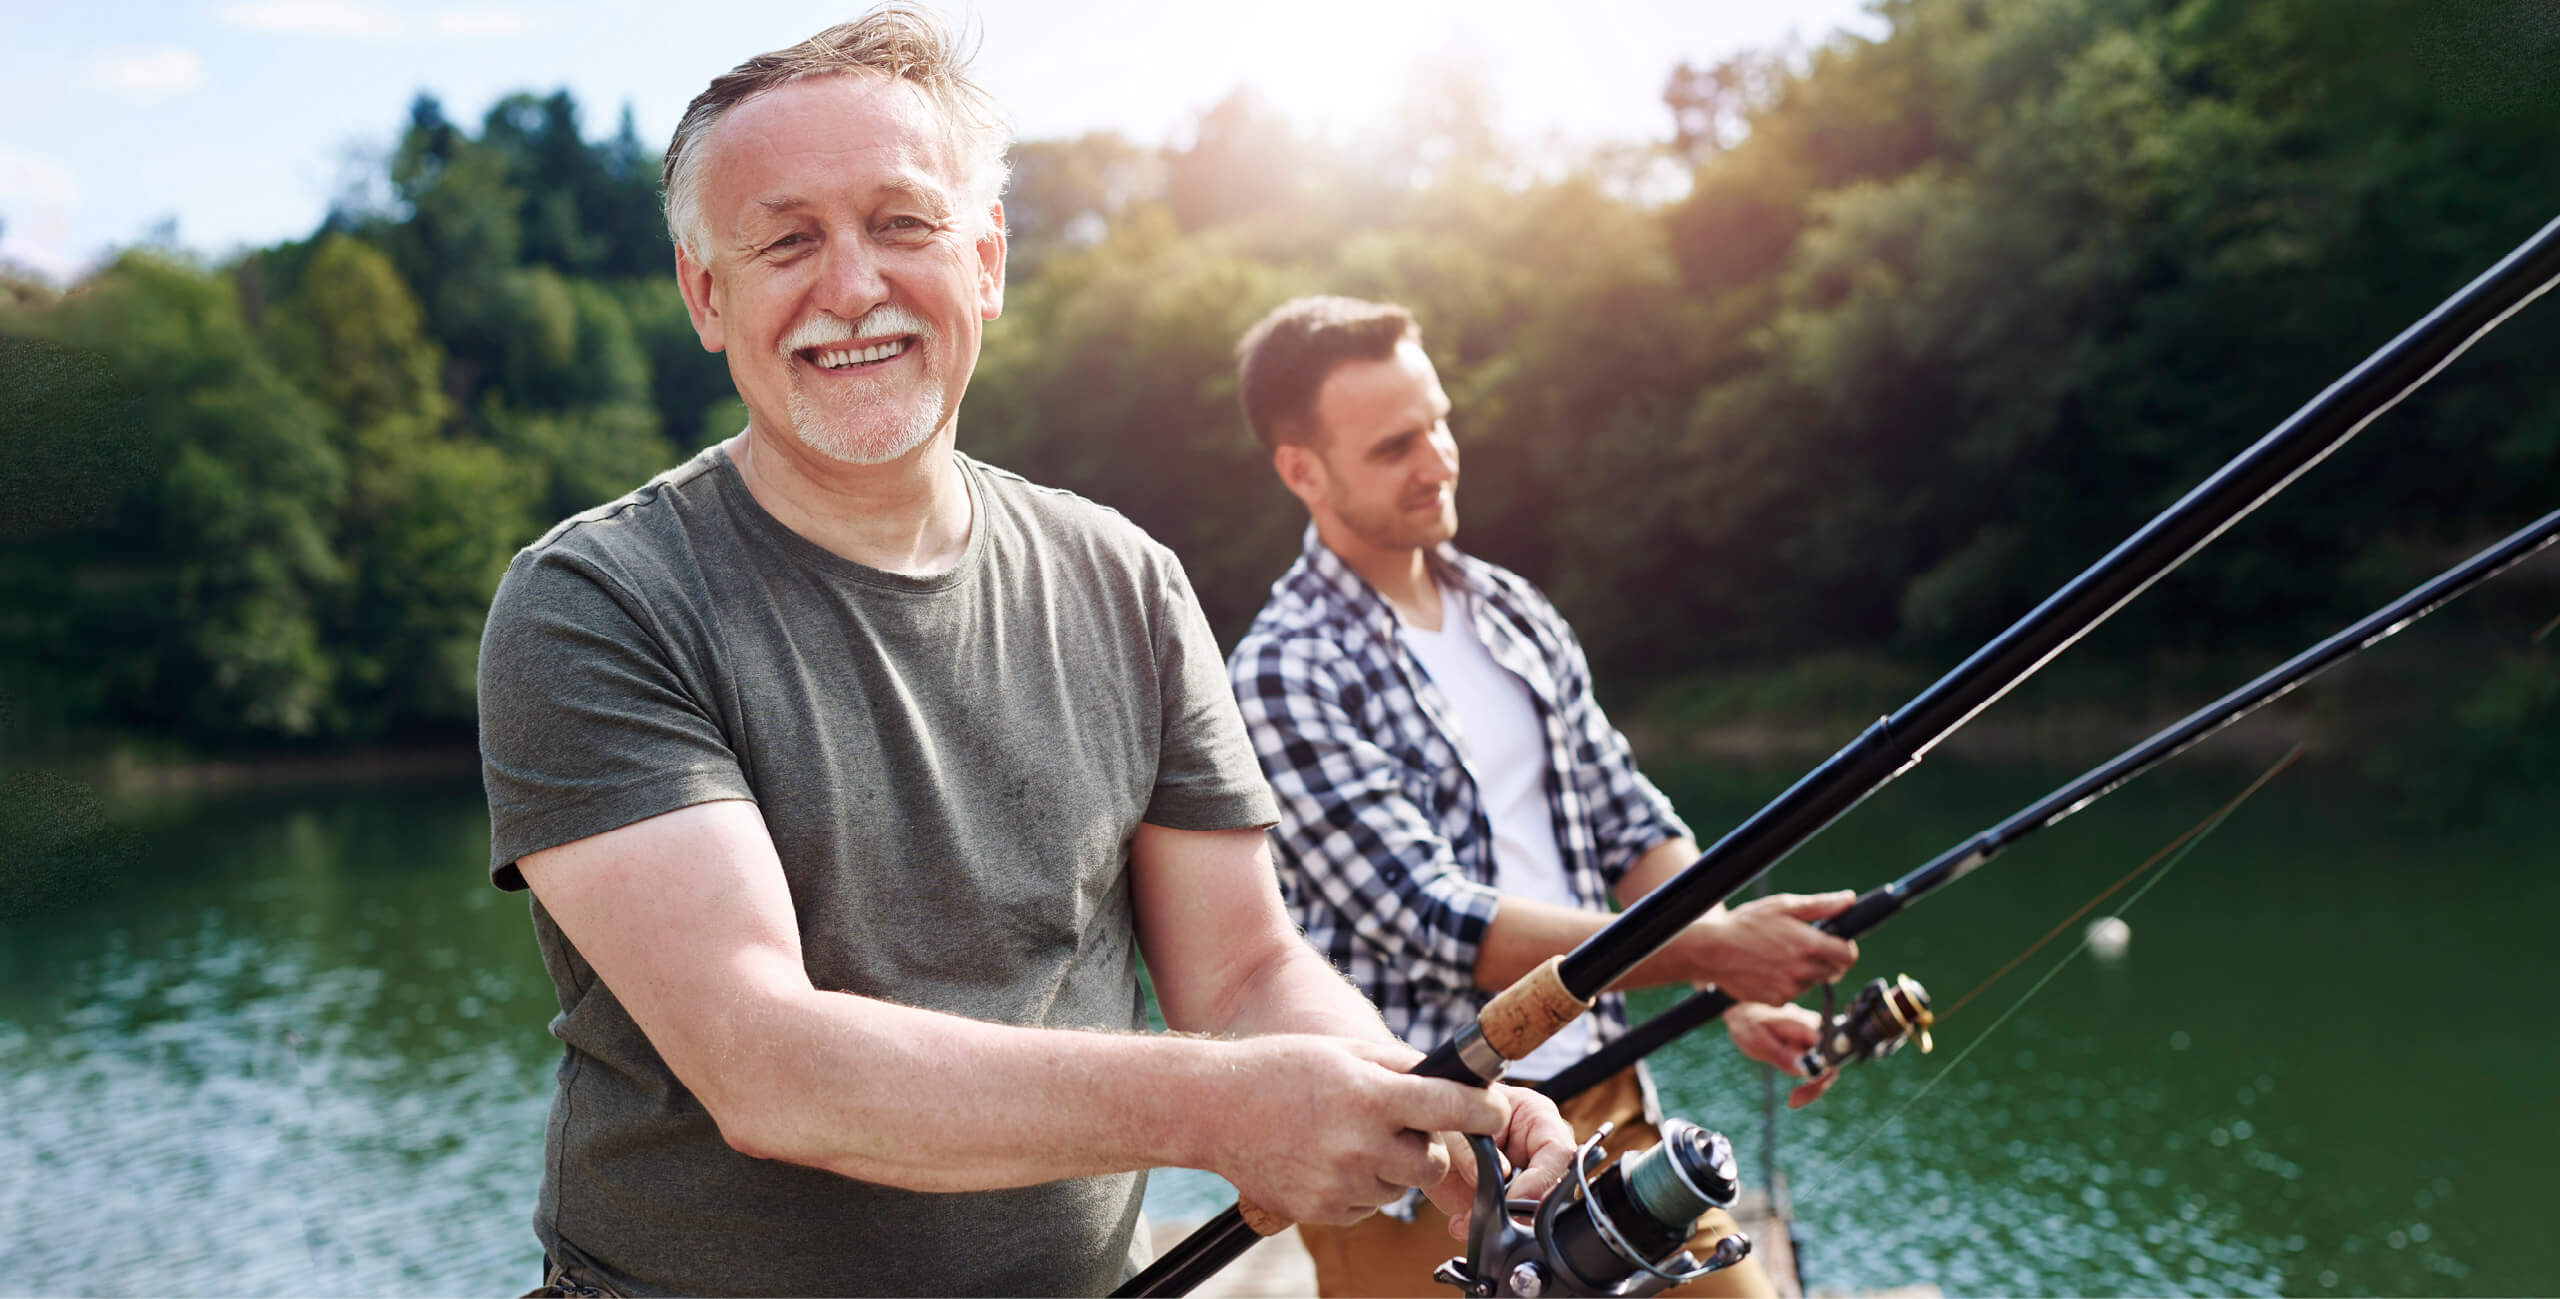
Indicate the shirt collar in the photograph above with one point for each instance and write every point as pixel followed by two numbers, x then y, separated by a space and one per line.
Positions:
pixel 1337 583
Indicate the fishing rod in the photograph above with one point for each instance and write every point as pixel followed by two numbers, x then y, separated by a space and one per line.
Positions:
pixel 1525 1014
pixel 1878 1016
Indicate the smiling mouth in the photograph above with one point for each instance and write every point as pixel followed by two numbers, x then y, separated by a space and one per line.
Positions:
pixel 847 358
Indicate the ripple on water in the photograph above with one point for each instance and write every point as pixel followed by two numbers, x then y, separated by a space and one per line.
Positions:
pixel 203 1092
pixel 232 1163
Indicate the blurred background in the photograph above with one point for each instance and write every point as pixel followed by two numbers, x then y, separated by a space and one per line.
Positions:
pixel 1795 349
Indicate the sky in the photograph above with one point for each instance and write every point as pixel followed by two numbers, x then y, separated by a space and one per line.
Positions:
pixel 238 120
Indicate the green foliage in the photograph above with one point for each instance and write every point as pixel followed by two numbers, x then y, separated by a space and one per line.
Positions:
pixel 686 384
pixel 1113 374
pixel 566 343
pixel 1064 194
pixel 440 520
pixel 72 436
pixel 571 460
pixel 271 504
pixel 193 594
pixel 1942 315
pixel 352 337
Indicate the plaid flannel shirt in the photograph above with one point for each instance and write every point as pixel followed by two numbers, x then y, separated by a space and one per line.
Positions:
pixel 1385 853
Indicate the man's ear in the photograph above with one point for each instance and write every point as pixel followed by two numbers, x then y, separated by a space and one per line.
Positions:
pixel 1301 470
pixel 991 247
pixel 694 280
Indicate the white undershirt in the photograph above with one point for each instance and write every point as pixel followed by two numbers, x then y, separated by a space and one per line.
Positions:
pixel 1505 747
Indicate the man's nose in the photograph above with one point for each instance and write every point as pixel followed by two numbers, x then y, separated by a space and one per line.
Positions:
pixel 850 281
pixel 1440 461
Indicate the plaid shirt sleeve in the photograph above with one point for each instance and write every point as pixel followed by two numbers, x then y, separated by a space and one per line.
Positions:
pixel 1350 831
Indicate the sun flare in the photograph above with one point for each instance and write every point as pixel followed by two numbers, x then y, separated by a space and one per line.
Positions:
pixel 1336 64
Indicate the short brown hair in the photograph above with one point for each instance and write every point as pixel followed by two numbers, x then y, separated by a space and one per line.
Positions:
pixel 1287 355
pixel 900 41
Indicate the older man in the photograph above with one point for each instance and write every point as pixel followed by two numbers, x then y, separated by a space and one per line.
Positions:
pixel 1454 806
pixel 851 777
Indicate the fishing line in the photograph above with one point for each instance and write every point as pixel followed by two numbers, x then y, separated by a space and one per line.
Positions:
pixel 2547 629
pixel 2180 846
pixel 2197 831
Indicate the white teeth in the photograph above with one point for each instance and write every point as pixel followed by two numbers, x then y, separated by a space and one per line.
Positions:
pixel 839 358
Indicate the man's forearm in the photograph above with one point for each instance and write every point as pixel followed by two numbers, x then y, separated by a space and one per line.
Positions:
pixel 1655 867
pixel 1525 932
pixel 1765 950
pixel 1315 1127
pixel 934 1102
pixel 1225 958
pixel 1294 990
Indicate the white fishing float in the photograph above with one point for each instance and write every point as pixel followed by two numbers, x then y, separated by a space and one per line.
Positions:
pixel 2109 936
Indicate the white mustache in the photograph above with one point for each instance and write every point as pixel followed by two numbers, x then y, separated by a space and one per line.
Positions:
pixel 885 319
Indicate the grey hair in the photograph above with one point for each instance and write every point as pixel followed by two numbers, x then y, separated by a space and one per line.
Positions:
pixel 900 41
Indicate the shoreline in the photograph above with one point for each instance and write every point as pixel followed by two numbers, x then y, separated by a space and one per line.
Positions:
pixel 2257 738
pixel 124 775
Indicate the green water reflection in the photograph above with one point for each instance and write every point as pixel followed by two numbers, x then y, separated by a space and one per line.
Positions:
pixel 285 1045
pixel 2315 1071
pixel 295 1045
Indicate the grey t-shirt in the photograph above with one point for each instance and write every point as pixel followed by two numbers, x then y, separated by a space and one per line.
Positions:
pixel 951 768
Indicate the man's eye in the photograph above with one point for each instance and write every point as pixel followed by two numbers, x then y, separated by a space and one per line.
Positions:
pixel 786 243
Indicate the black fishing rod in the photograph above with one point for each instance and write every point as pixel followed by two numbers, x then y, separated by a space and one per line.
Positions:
pixel 1884 903
pixel 1525 1014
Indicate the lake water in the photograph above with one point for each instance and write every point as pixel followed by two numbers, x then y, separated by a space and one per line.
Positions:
pixel 294 1044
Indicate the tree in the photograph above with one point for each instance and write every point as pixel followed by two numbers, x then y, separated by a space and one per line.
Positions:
pixel 1064 195
pixel 430 519
pixel 191 595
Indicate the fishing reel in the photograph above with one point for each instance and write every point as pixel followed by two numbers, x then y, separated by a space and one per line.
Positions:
pixel 1879 1020
pixel 1622 1232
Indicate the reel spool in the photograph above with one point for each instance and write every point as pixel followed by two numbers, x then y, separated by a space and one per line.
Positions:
pixel 1879 1020
pixel 1623 1232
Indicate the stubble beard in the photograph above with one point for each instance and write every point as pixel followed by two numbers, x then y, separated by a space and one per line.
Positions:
pixel 1395 528
pixel 872 430
pixel 869 424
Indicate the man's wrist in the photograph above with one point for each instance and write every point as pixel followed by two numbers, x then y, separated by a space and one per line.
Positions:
pixel 1201 1078
pixel 1709 949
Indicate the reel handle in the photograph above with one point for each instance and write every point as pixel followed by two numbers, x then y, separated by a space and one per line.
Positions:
pixel 1884 1015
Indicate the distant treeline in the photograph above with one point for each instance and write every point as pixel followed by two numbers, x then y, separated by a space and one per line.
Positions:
pixel 1939 317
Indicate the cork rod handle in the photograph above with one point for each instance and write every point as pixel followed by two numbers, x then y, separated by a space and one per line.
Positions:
pixel 1523 1016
